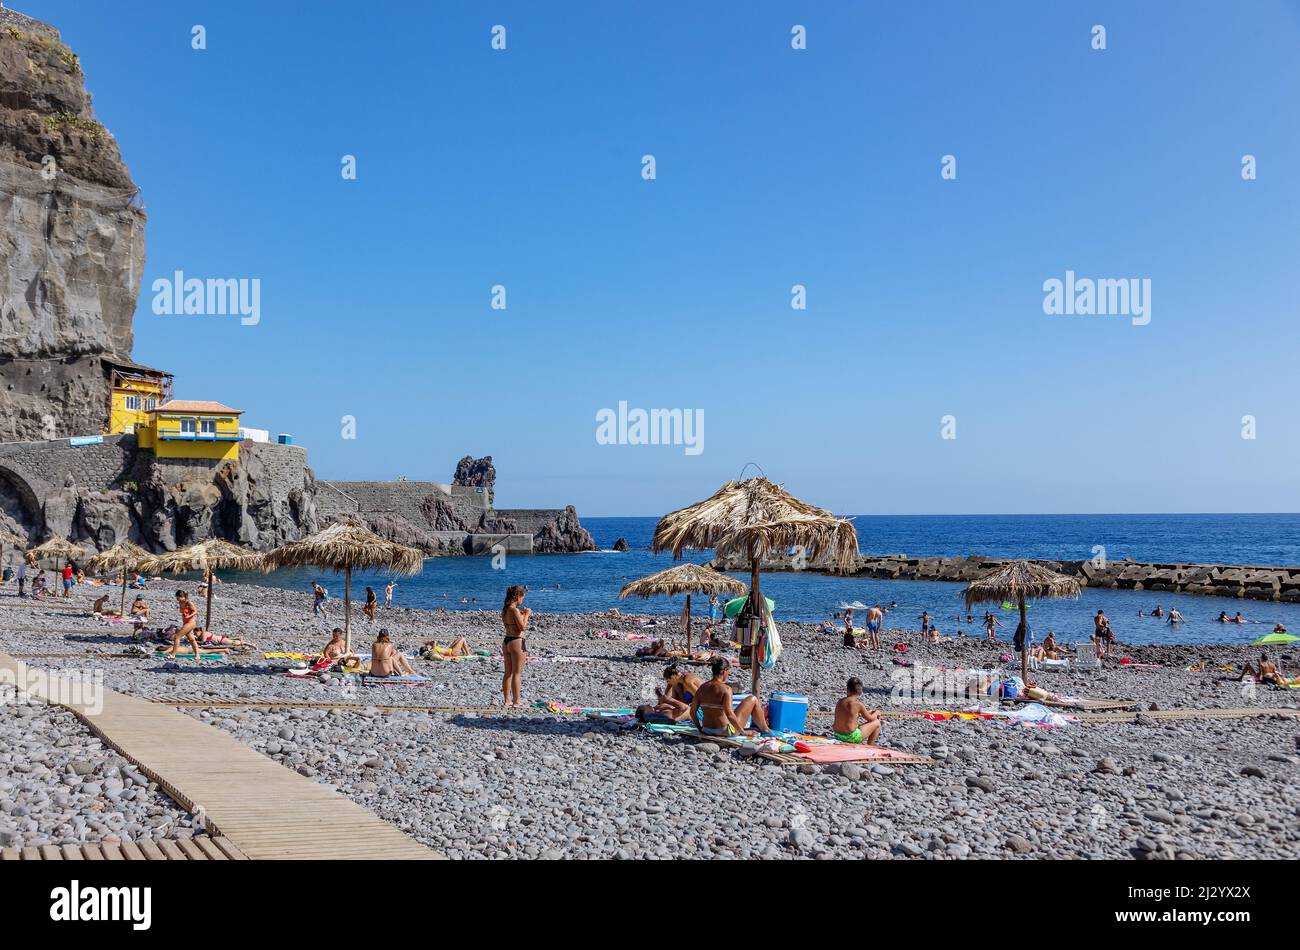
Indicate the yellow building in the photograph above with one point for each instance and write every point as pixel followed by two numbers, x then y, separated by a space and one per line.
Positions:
pixel 192 429
pixel 135 391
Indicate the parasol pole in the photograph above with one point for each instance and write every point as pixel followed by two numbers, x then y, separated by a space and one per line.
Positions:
pixel 207 618
pixel 347 608
pixel 755 597
pixel 688 625
pixel 122 612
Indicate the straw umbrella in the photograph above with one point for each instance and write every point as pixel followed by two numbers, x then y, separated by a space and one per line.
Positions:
pixel 344 546
pixel 206 556
pixel 1018 581
pixel 11 538
pixel 55 548
pixel 751 518
pixel 684 579
pixel 119 557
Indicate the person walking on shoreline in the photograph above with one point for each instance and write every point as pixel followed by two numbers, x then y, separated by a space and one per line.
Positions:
pixel 319 595
pixel 388 593
pixel 514 649
pixel 875 616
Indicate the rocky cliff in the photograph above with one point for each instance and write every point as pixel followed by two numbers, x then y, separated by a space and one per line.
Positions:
pixel 72 251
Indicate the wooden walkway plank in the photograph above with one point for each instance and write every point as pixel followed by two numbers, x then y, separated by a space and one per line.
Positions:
pixel 202 767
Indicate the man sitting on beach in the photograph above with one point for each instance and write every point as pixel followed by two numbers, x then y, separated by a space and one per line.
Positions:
pixel 1049 650
pixel 101 607
pixel 1268 672
pixel 854 722
pixel 711 710
pixel 337 649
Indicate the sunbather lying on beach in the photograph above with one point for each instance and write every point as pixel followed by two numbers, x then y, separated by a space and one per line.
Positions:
pixel 711 710
pixel 854 722
pixel 337 649
pixel 653 648
pixel 459 647
pixel 387 660
pixel 208 638
pixel 665 711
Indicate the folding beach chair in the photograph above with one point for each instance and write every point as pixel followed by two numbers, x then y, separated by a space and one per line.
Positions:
pixel 1085 656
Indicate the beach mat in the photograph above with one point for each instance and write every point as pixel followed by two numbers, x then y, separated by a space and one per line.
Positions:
pixel 368 680
pixel 849 752
pixel 1081 705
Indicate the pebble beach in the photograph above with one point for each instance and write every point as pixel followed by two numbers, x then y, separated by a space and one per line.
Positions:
pixel 482 782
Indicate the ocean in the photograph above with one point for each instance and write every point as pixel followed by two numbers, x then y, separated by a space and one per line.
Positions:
pixel 591 581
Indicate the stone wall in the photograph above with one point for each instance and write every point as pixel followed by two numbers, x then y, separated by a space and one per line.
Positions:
pixel 1255 582
pixel 108 492
pixel 431 515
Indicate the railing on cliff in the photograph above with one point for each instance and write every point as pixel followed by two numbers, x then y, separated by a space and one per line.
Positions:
pixel 355 504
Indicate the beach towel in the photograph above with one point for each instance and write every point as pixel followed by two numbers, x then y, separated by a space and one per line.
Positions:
pixel 846 752
pixel 368 680
pixel 289 656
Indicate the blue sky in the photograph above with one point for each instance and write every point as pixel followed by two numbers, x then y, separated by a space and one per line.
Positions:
pixel 775 167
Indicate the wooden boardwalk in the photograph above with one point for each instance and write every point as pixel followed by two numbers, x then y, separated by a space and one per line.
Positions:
pixel 265 810
pixel 200 848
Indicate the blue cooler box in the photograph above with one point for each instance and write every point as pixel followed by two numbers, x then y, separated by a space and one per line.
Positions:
pixel 788 712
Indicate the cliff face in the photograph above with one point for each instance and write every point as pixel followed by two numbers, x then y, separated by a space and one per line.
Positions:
pixel 72 249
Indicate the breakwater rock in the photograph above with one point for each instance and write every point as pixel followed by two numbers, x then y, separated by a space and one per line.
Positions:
pixel 1254 582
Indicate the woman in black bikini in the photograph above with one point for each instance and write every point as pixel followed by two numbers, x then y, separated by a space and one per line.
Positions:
pixel 515 648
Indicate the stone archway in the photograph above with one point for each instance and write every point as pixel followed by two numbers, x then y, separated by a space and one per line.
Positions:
pixel 22 497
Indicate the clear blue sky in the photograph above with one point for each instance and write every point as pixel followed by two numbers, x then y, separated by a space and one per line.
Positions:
pixel 775 167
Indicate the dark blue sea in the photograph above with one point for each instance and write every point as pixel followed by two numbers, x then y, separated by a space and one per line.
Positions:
pixel 591 581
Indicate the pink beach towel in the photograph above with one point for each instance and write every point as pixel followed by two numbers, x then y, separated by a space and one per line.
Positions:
pixel 847 752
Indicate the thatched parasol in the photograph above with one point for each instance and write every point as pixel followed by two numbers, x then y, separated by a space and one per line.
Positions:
pixel 13 539
pixel 206 556
pixel 119 557
pixel 1020 581
pixel 55 548
pixel 751 518
pixel 683 579
pixel 343 546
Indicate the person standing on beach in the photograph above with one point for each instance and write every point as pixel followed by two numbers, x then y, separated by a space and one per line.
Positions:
pixel 875 616
pixel 22 578
pixel 388 593
pixel 320 595
pixel 991 624
pixel 372 602
pixel 514 649
pixel 67 579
